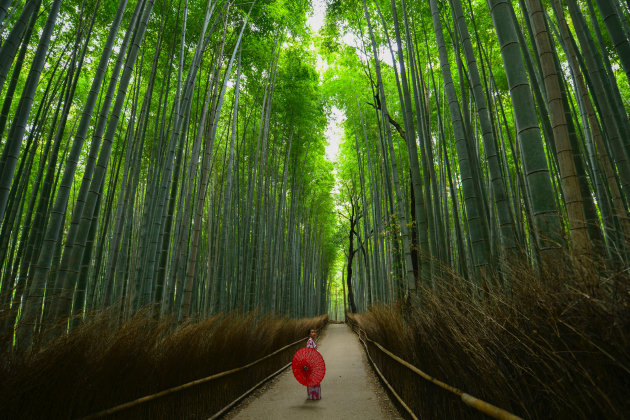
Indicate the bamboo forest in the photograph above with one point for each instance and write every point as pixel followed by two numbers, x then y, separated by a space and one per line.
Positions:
pixel 189 186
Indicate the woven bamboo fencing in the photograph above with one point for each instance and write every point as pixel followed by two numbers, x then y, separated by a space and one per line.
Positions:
pixel 206 398
pixel 411 387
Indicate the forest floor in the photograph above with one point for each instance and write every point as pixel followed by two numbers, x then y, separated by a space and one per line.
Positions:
pixel 350 389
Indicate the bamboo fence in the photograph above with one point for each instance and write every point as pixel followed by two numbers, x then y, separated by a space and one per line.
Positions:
pixel 205 398
pixel 402 379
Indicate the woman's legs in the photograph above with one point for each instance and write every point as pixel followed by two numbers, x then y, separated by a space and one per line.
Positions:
pixel 314 392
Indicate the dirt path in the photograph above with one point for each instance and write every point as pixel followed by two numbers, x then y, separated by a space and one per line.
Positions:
pixel 349 390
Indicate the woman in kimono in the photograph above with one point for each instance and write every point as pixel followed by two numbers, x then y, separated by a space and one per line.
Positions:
pixel 314 392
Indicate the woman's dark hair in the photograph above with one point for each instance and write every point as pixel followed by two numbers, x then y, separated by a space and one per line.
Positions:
pixel 309 331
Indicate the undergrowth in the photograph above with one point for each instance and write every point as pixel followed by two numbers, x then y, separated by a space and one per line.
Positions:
pixel 99 366
pixel 550 347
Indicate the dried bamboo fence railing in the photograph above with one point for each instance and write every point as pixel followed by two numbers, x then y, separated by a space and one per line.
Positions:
pixel 205 398
pixel 401 378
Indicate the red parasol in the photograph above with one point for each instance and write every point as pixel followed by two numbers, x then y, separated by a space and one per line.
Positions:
pixel 308 367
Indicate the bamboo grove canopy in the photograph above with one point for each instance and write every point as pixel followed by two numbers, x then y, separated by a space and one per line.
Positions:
pixel 479 136
pixel 164 153
pixel 171 154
